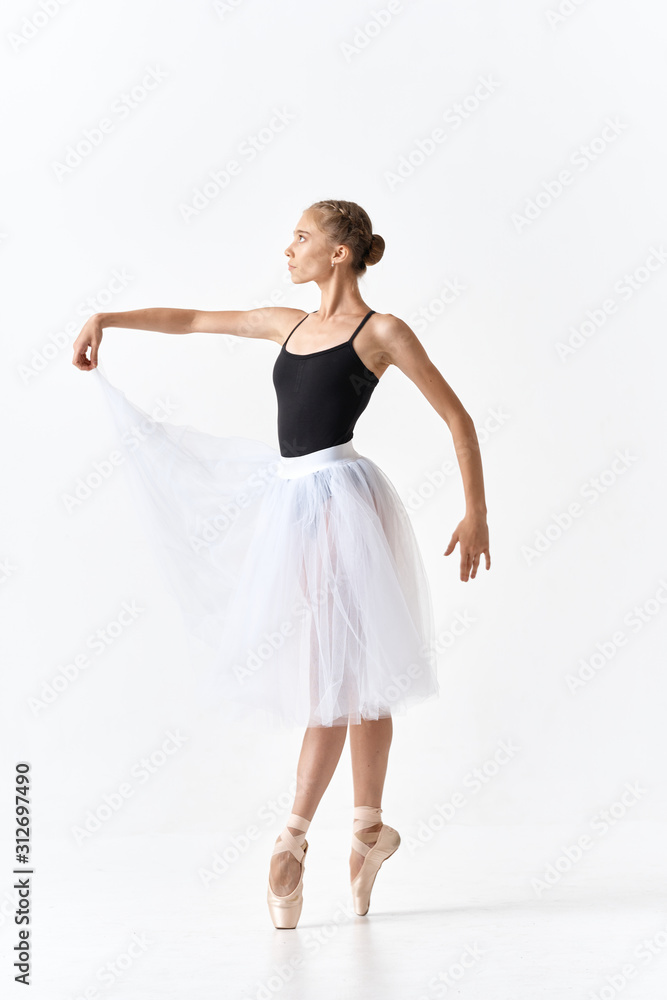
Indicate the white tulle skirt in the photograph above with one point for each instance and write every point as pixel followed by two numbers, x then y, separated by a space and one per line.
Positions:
pixel 302 587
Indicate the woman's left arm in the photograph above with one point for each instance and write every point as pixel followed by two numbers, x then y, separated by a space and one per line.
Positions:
pixel 401 347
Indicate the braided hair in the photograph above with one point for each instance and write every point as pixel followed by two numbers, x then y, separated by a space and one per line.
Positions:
pixel 346 222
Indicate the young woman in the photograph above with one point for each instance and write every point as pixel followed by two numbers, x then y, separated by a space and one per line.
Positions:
pixel 300 568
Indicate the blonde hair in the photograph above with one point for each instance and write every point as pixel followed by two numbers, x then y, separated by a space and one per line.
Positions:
pixel 346 222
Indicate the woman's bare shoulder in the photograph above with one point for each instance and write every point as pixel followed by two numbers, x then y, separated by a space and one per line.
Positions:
pixel 391 336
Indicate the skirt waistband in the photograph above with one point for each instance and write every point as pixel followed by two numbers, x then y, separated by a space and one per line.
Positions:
pixel 290 467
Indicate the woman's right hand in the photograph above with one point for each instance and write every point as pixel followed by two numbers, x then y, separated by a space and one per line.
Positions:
pixel 90 337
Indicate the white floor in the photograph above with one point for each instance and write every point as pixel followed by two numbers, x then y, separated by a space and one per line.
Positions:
pixel 458 917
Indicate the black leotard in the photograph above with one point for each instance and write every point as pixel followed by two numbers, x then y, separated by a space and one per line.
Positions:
pixel 320 395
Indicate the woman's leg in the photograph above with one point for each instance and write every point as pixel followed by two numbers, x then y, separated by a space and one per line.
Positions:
pixel 369 746
pixel 320 753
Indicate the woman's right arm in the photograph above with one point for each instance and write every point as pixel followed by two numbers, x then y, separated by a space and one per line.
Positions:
pixel 266 323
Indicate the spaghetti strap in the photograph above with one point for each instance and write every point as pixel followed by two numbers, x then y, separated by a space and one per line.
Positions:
pixel 367 316
pixel 292 331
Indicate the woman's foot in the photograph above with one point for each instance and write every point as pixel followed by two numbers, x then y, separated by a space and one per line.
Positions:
pixel 285 870
pixel 373 842
pixel 369 836
pixel 284 892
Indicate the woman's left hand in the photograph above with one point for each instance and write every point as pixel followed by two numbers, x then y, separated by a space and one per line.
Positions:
pixel 472 534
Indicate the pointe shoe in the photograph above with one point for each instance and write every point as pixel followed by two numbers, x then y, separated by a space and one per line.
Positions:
pixel 387 842
pixel 286 910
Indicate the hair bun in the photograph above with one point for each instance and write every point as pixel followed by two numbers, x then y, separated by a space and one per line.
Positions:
pixel 375 251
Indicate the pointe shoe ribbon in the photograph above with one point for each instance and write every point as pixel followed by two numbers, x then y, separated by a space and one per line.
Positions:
pixel 286 910
pixel 385 845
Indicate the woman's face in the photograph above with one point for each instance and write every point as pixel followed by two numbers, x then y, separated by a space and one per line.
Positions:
pixel 308 255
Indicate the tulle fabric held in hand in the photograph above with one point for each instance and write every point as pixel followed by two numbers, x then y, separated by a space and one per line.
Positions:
pixel 302 587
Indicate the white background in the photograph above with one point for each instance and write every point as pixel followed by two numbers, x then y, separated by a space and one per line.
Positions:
pixel 363 101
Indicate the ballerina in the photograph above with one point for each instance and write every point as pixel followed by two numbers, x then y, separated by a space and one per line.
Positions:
pixel 297 568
